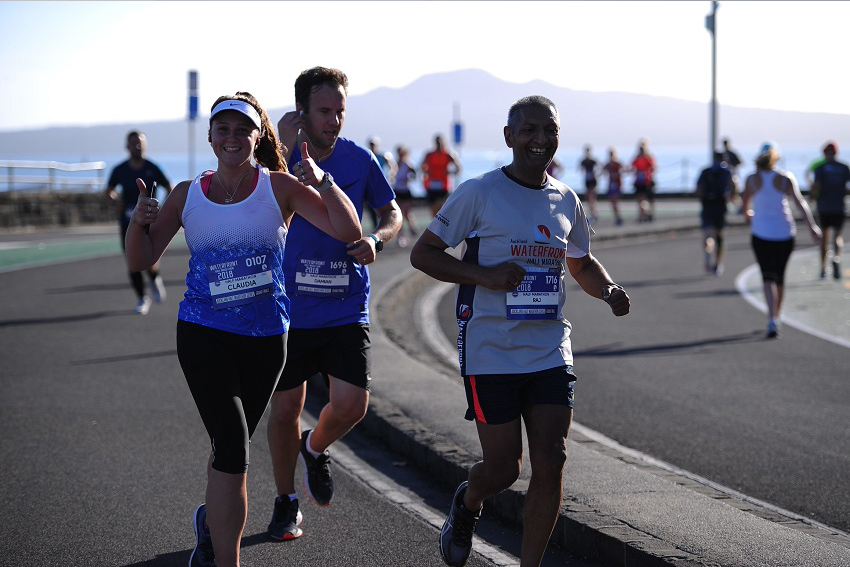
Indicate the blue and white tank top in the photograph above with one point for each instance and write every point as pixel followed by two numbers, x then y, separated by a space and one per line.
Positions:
pixel 235 281
pixel 772 217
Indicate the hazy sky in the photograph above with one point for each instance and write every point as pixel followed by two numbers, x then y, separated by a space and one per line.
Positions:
pixel 83 63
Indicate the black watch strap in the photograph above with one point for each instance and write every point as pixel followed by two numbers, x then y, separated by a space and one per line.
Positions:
pixel 379 244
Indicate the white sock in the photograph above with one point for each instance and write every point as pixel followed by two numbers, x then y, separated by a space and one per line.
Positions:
pixel 293 496
pixel 308 444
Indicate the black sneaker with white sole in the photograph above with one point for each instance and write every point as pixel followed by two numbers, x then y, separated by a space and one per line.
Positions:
pixel 317 473
pixel 285 519
pixel 456 535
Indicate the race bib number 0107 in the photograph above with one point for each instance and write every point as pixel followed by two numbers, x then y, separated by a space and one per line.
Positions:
pixel 239 280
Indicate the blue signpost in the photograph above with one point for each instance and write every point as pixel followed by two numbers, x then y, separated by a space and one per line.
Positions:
pixel 193 114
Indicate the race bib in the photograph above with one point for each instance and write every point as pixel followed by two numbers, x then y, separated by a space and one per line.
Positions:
pixel 240 280
pixel 322 278
pixel 537 297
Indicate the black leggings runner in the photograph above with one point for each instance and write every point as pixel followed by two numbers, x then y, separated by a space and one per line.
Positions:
pixel 772 256
pixel 232 378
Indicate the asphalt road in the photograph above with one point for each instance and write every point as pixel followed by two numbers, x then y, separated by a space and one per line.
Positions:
pixel 689 378
pixel 102 453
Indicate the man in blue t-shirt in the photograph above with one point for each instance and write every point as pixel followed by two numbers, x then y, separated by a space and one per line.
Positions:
pixel 327 282
pixel 831 183
pixel 124 175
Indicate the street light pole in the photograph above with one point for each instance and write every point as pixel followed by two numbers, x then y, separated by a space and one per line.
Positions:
pixel 193 114
pixel 711 26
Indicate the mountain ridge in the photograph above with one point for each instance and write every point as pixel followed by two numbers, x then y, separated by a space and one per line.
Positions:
pixel 414 113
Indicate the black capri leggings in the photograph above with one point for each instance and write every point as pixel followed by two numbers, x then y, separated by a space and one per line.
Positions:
pixel 772 256
pixel 232 378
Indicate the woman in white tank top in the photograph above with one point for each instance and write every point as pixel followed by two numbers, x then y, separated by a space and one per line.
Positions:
pixel 766 204
pixel 232 324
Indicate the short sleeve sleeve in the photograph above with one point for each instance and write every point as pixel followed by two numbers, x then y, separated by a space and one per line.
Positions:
pixel 459 216
pixel 578 241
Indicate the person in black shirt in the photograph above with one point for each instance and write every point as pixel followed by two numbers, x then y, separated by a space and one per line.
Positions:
pixel 830 187
pixel 715 188
pixel 125 175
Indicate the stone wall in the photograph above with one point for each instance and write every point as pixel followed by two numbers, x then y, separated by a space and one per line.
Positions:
pixel 25 209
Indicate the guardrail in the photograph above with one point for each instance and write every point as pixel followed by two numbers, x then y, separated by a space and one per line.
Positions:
pixel 54 177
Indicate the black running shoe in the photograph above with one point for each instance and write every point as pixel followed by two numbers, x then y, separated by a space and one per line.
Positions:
pixel 317 474
pixel 456 535
pixel 203 554
pixel 836 269
pixel 285 519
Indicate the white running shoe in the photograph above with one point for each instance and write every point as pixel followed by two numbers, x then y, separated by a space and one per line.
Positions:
pixel 158 290
pixel 143 306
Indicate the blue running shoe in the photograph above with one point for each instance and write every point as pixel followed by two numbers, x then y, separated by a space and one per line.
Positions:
pixel 203 554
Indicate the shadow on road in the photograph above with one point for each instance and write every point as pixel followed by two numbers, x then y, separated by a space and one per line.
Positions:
pixel 729 292
pixel 67 319
pixel 125 357
pixel 663 282
pixel 107 287
pixel 182 557
pixel 670 348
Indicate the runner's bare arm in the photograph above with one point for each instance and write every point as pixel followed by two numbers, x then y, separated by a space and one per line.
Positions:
pixel 429 256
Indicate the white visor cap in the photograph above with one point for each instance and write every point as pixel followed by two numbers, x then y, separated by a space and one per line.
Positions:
pixel 239 106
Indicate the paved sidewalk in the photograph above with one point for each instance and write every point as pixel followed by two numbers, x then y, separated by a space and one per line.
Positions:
pixel 620 507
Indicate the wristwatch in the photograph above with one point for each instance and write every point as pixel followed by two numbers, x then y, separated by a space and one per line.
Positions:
pixel 326 183
pixel 379 244
pixel 608 290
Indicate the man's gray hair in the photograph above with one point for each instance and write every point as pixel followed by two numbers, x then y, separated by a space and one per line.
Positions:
pixel 526 101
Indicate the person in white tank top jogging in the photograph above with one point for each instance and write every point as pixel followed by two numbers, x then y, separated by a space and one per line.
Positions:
pixel 765 202
pixel 234 317
pixel 524 231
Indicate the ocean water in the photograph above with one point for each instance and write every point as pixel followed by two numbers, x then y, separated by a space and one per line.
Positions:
pixel 677 166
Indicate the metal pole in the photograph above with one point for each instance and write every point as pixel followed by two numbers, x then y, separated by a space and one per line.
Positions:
pixel 711 24
pixel 193 113
pixel 191 174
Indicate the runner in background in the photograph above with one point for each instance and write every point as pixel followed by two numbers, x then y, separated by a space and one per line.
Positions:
pixel 589 166
pixel 124 175
pixel 437 167
pixel 733 162
pixel 405 173
pixel 643 167
pixel 766 200
pixel 715 189
pixel 830 187
pixel 614 171
pixel 388 166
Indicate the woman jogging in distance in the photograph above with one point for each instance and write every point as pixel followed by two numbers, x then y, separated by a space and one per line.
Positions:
pixel 766 209
pixel 232 322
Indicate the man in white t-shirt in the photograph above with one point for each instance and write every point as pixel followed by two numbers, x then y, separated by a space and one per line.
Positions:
pixel 523 231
